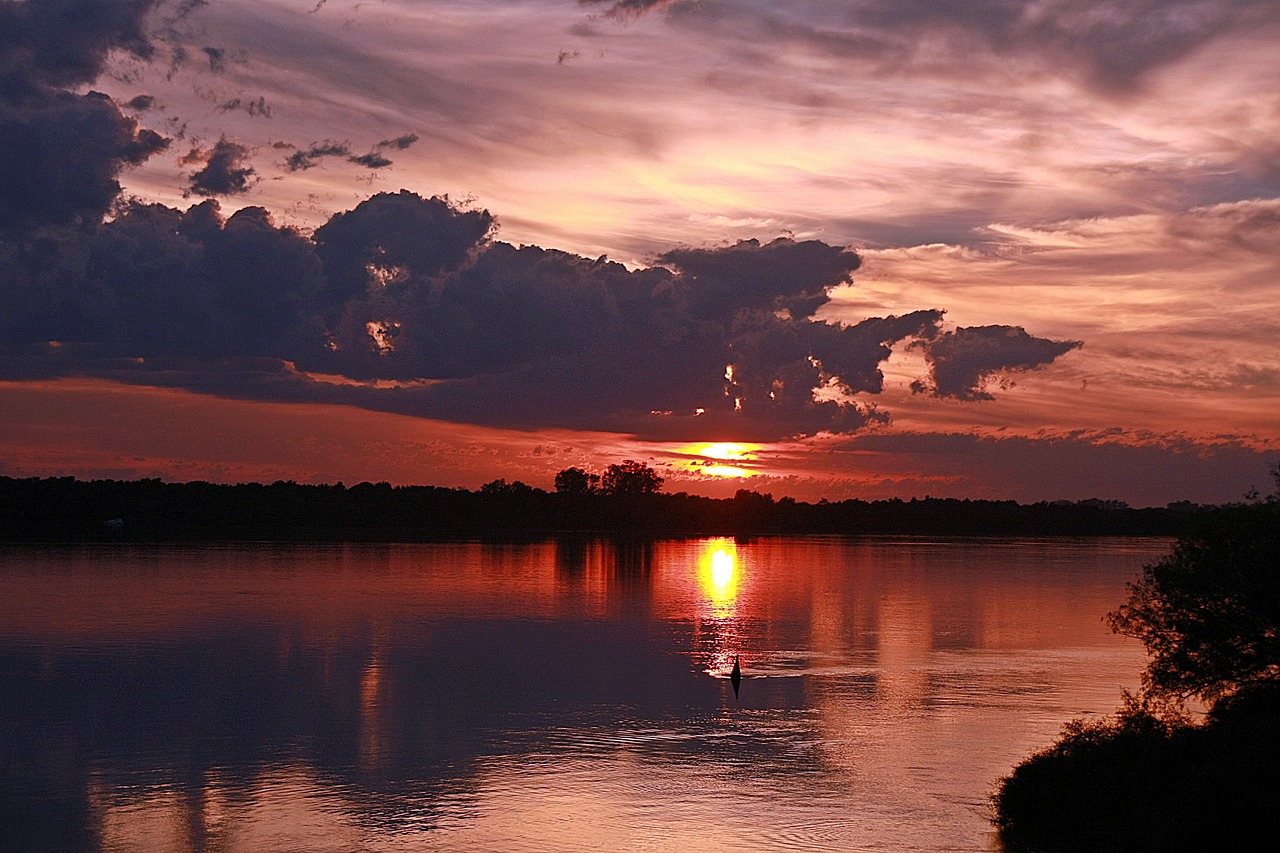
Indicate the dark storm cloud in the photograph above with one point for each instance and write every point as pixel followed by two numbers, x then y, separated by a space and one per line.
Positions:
pixel 141 103
pixel 62 153
pixel 376 159
pixel 55 44
pixel 962 362
pixel 224 172
pixel 63 150
pixel 372 160
pixel 407 305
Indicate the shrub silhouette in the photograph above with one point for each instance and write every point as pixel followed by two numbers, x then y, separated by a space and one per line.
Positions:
pixel 1137 782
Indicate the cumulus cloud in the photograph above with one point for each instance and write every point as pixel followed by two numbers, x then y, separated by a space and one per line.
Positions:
pixel 225 171
pixel 781 275
pixel 407 304
pixel 963 362
pixel 62 153
pixel 393 237
pixel 55 45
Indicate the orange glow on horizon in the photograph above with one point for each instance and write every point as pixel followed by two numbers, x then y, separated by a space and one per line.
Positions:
pixel 726 471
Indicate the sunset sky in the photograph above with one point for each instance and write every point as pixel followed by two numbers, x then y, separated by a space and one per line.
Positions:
pixel 872 248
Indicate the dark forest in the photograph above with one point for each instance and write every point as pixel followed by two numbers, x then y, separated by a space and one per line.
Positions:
pixel 67 509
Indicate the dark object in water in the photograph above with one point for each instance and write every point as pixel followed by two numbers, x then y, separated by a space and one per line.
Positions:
pixel 735 677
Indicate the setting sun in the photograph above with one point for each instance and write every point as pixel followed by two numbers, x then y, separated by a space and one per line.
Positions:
pixel 726 450
pixel 707 457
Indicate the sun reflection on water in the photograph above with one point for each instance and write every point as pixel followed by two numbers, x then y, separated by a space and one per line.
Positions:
pixel 718 574
pixel 721 570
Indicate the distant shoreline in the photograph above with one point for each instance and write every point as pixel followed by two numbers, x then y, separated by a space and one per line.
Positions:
pixel 64 509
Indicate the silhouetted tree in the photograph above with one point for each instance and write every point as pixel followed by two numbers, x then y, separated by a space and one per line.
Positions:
pixel 575 481
pixel 630 478
pixel 496 487
pixel 1146 778
pixel 1209 612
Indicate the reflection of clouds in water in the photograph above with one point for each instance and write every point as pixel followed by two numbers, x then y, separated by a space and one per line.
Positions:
pixel 288 807
pixel 905 643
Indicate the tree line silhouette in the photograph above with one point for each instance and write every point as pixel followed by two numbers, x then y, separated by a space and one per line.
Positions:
pixel 624 498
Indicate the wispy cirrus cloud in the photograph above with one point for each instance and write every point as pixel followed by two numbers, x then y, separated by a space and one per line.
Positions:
pixel 1106 44
pixel 630 8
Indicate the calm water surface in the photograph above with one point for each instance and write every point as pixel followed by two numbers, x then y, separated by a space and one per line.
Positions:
pixel 566 695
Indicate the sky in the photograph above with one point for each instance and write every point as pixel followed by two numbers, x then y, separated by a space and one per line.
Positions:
pixel 872 248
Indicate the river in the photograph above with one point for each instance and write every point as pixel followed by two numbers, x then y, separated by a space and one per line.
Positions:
pixel 565 695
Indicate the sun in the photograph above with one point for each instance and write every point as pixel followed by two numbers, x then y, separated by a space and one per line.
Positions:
pixel 726 450
pixel 712 458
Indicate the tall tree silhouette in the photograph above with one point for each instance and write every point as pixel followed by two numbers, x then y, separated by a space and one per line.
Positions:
pixel 1209 612
pixel 630 478
pixel 576 481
